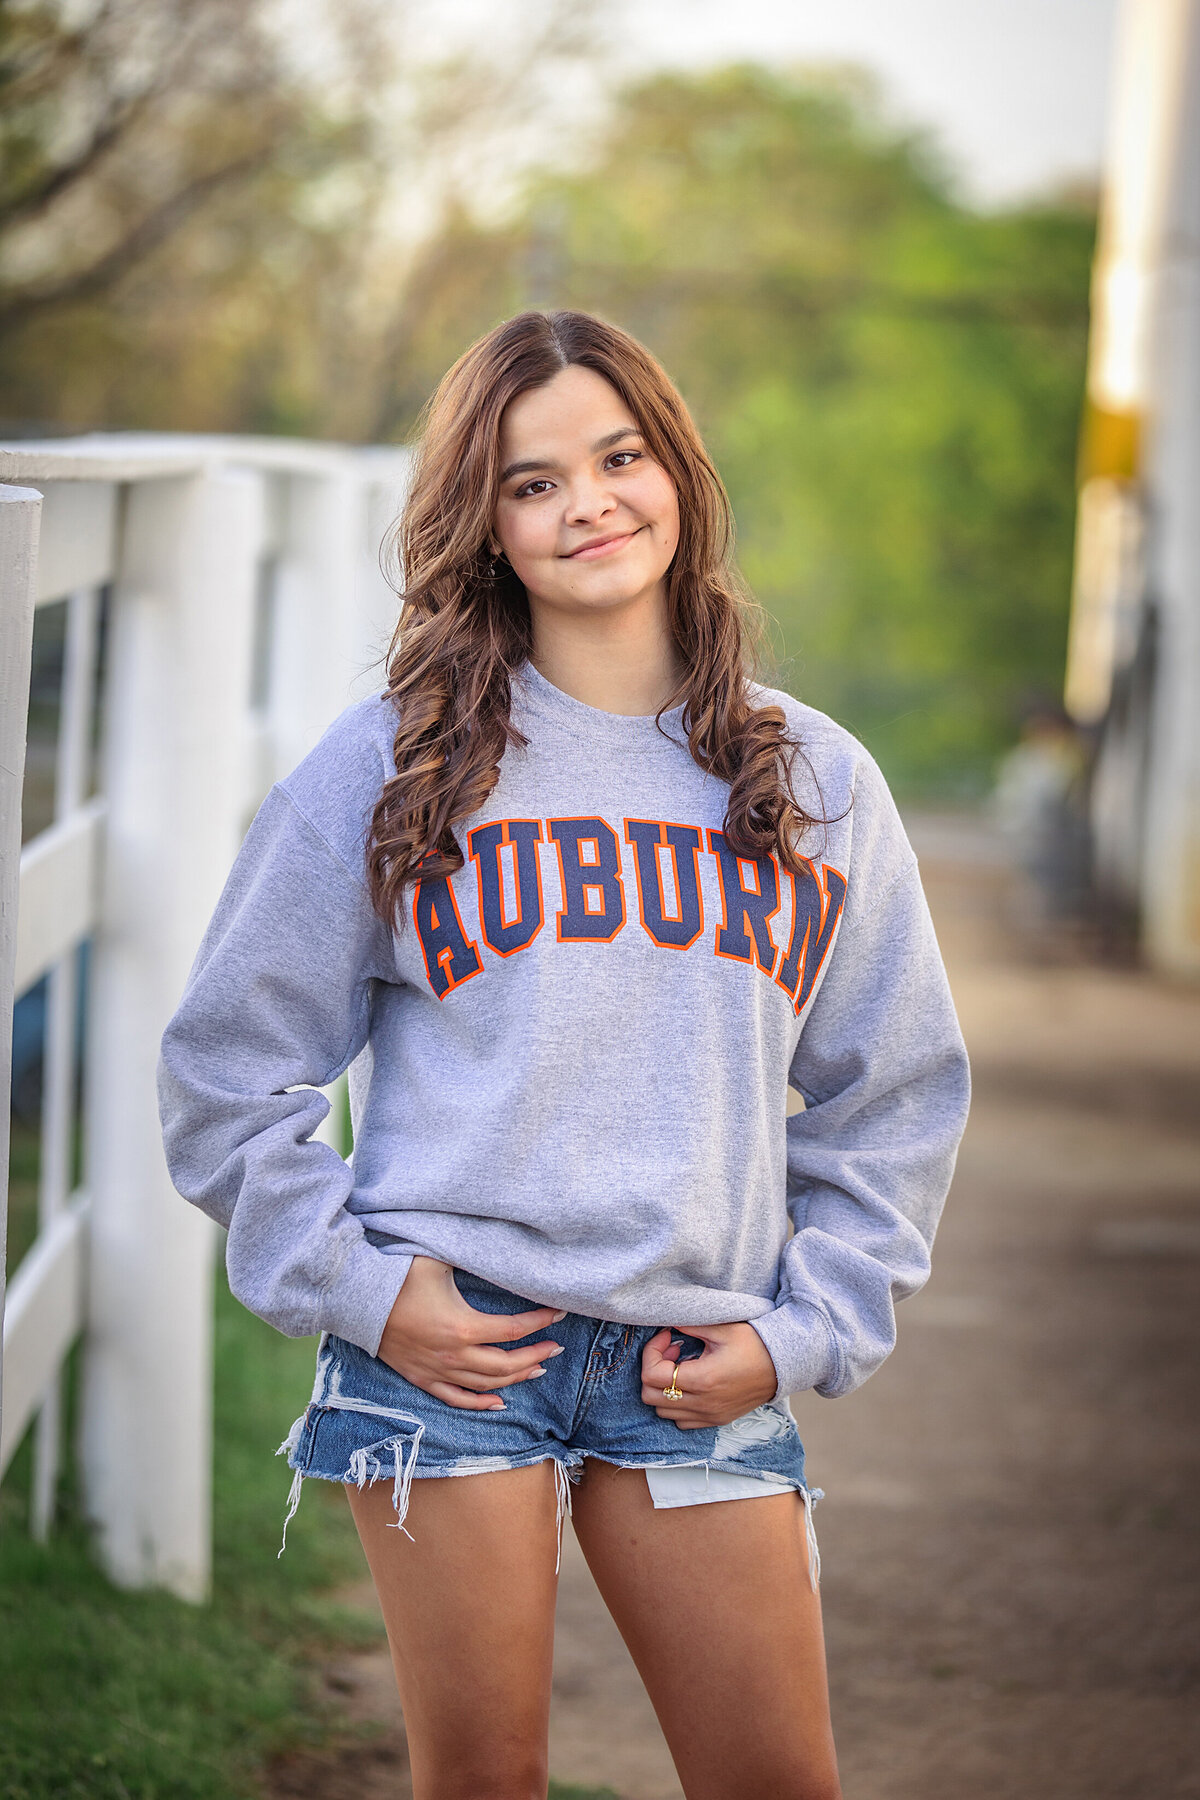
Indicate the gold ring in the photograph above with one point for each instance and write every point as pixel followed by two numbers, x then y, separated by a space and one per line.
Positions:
pixel 674 1392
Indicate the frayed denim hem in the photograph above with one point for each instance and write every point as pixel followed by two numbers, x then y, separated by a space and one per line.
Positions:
pixel 396 1454
pixel 809 1496
pixel 367 1465
pixel 401 1448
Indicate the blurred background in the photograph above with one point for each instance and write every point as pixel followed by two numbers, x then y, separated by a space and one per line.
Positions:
pixel 225 217
pixel 928 276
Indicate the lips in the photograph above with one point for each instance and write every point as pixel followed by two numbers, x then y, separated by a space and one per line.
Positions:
pixel 600 546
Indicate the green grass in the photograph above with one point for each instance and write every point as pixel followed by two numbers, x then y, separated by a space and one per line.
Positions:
pixel 140 1696
pixel 137 1696
pixel 23 1161
pixel 120 1696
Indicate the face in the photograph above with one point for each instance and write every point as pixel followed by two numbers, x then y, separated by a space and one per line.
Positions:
pixel 587 518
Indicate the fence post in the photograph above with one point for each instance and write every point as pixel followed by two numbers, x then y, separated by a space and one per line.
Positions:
pixel 20 512
pixel 175 741
pixel 316 652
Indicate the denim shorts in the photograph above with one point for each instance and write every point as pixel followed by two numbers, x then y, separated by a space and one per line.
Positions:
pixel 365 1422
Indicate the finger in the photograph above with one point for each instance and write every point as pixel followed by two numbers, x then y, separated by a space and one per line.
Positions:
pixel 685 1421
pixel 503 1328
pixel 682 1378
pixel 467 1378
pixel 481 1359
pixel 660 1371
pixel 468 1402
pixel 672 1409
pixel 709 1334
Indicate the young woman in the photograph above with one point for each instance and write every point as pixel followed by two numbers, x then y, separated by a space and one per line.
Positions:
pixel 575 901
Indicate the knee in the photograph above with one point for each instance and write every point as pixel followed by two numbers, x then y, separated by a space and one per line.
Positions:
pixel 821 1787
pixel 515 1776
pixel 494 1785
pixel 808 1783
pixel 784 1777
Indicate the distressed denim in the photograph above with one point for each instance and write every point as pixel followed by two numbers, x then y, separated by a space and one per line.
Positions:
pixel 365 1422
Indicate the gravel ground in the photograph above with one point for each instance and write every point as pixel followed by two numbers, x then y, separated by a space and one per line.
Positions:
pixel 1011 1560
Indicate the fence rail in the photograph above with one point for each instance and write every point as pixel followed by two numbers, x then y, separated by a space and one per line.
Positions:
pixel 223 601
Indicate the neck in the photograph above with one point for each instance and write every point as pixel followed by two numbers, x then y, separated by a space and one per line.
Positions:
pixel 616 662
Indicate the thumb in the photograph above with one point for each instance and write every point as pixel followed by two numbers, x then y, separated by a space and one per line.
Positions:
pixel 659 1354
pixel 710 1335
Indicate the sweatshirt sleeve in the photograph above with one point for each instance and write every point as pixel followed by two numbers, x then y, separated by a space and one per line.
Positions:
pixel 276 1005
pixel 883 1070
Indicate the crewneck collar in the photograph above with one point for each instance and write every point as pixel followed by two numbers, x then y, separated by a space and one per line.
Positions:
pixel 541 698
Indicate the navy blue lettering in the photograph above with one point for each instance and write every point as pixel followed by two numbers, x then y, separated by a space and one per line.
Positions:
pixel 741 906
pixel 450 956
pixel 816 910
pixel 485 843
pixel 593 895
pixel 683 925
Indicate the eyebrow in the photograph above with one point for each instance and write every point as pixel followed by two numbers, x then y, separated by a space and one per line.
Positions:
pixel 604 443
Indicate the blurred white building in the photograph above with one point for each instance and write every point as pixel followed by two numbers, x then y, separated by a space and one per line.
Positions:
pixel 1134 659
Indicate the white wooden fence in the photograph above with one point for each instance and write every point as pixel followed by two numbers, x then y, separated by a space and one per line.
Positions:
pixel 244 608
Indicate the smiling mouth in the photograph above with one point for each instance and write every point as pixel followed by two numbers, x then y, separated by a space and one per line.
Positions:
pixel 601 546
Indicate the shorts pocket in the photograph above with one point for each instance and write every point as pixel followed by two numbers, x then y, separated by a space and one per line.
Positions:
pixel 758 1427
pixel 484 1296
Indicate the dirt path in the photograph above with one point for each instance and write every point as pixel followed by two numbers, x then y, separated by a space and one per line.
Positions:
pixel 1011 1560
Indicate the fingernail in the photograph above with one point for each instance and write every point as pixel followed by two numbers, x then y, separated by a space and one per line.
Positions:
pixel 558 1316
pixel 498 1407
pixel 555 1349
pixel 537 1372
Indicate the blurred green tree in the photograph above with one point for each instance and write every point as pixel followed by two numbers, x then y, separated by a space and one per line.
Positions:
pixel 198 231
pixel 203 202
pixel 153 155
pixel 891 382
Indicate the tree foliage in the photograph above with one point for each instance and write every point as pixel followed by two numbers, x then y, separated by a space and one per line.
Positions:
pixel 890 382
pixel 190 238
pixel 199 199
pixel 156 159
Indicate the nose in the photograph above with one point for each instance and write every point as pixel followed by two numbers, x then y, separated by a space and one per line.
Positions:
pixel 590 498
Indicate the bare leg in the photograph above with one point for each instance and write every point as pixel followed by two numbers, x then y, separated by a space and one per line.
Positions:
pixel 469 1610
pixel 715 1605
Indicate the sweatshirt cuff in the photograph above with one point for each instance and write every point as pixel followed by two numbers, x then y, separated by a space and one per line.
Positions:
pixel 801 1345
pixel 356 1305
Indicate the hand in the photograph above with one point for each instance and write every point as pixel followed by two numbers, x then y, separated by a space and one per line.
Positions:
pixel 439 1343
pixel 732 1376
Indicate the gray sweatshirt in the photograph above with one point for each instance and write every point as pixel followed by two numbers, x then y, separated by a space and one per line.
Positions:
pixel 569 1068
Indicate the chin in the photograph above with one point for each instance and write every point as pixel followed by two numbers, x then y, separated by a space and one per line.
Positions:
pixel 616 583
pixel 620 589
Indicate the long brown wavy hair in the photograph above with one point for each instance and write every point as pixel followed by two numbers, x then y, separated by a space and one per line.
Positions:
pixel 464 625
